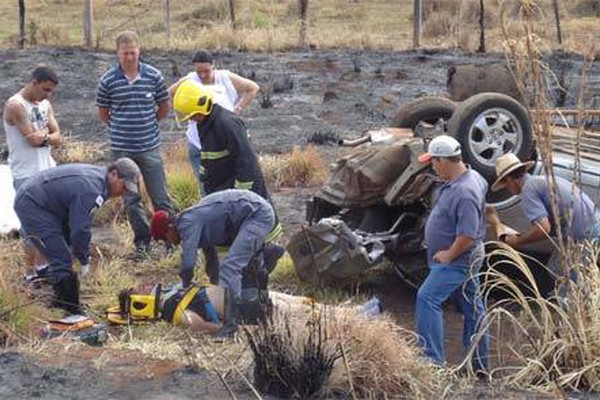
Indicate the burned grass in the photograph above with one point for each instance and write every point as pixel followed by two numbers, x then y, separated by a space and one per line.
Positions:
pixel 341 353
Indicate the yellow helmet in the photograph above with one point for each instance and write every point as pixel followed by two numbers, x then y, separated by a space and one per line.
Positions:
pixel 190 99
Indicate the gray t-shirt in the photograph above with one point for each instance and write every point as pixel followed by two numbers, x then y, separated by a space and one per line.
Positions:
pixel 578 213
pixel 458 211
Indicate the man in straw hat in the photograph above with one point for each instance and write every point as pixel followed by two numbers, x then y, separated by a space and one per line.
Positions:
pixel 454 233
pixel 578 216
pixel 56 209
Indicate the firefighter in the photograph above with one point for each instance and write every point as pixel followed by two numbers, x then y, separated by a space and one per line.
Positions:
pixel 227 158
pixel 239 219
pixel 56 208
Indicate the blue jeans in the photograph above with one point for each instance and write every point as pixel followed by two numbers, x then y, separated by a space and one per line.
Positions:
pixel 442 282
pixel 153 172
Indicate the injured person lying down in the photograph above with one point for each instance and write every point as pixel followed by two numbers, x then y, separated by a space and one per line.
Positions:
pixel 202 308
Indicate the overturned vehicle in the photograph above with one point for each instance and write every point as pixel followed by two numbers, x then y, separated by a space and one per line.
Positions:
pixel 378 197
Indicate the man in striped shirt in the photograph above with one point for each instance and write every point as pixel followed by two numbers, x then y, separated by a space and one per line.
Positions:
pixel 131 98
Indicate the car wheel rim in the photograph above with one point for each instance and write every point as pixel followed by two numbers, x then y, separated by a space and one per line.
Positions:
pixel 494 132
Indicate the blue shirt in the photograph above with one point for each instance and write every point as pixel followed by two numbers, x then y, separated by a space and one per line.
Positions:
pixel 133 125
pixel 458 211
pixel 216 221
pixel 69 194
pixel 575 208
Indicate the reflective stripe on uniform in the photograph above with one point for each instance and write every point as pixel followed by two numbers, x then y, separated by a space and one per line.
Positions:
pixel 276 232
pixel 214 155
pixel 243 185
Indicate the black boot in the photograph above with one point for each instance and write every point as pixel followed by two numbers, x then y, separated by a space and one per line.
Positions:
pixel 229 327
pixel 272 253
pixel 67 294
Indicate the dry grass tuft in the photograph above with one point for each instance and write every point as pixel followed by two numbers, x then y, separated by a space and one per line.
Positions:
pixel 181 181
pixel 76 151
pixel 382 359
pixel 374 357
pixel 301 167
pixel 20 310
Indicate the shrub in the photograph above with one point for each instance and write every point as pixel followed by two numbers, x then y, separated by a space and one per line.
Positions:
pixel 301 167
pixel 181 181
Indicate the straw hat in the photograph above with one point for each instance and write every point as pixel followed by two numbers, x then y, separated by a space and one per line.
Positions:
pixel 505 165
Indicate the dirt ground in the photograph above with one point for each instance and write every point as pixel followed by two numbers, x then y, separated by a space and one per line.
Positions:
pixel 330 94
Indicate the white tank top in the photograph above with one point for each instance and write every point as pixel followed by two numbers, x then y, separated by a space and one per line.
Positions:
pixel 25 160
pixel 224 94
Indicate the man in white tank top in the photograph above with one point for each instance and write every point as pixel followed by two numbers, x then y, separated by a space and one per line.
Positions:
pixel 30 127
pixel 230 91
pixel 31 130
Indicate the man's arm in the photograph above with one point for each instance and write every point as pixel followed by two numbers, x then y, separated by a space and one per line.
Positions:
pixel 161 98
pixel 80 222
pixel 162 110
pixel 247 90
pixel 54 137
pixel 190 237
pixel 104 114
pixel 461 244
pixel 240 148
pixel 16 115
pixel 539 231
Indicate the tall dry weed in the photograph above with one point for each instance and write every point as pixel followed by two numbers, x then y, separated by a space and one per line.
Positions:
pixel 20 308
pixel 550 344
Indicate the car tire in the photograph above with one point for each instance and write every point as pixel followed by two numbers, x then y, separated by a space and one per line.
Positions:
pixel 428 109
pixel 488 125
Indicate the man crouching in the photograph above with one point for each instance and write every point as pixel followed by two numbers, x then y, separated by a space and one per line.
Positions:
pixel 239 219
pixel 56 209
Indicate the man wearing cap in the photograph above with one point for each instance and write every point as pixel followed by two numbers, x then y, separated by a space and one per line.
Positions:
pixel 132 98
pixel 454 234
pixel 239 219
pixel 56 208
pixel 227 158
pixel 578 217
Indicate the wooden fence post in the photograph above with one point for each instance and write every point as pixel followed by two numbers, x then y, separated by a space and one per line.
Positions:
pixel 303 21
pixel 167 6
pixel 21 23
pixel 88 23
pixel 556 4
pixel 481 28
pixel 232 13
pixel 418 22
